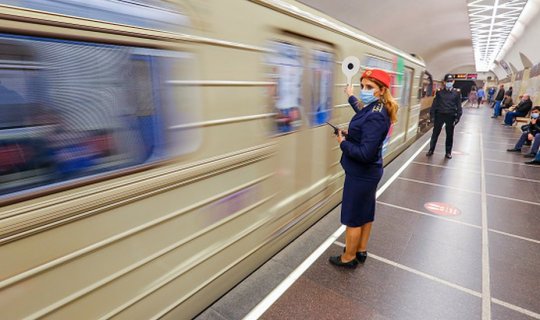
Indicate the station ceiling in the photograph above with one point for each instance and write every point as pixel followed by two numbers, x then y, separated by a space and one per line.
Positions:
pixel 437 31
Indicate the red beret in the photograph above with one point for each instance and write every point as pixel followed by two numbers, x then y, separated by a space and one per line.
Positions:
pixel 377 74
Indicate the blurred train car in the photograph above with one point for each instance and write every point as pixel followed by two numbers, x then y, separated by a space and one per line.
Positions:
pixel 154 153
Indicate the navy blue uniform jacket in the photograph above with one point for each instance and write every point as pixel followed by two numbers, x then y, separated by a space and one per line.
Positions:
pixel 362 151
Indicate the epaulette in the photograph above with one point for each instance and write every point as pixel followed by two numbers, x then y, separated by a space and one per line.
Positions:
pixel 378 107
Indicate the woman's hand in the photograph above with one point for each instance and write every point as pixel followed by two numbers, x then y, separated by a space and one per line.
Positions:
pixel 349 90
pixel 340 137
pixel 531 137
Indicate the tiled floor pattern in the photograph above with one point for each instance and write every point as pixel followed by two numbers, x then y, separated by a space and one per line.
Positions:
pixel 425 266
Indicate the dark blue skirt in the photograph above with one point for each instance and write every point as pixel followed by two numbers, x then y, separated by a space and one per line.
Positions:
pixel 358 205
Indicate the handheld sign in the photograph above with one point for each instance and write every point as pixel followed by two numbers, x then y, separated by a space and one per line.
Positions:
pixel 350 67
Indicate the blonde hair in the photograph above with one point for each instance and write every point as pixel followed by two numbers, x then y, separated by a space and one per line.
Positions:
pixel 389 102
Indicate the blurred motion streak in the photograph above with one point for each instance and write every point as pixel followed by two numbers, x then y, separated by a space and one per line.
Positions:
pixel 72 109
pixel 155 14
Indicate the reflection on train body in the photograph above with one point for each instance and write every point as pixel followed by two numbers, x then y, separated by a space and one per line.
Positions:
pixel 72 109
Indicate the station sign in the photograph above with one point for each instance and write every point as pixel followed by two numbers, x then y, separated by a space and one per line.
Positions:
pixel 465 76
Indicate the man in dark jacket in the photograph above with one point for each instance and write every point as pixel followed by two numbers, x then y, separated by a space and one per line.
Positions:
pixel 521 110
pixel 509 92
pixel 532 134
pixel 498 100
pixel 446 109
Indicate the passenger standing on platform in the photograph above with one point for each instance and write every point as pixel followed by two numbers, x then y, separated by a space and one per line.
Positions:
pixel 509 92
pixel 473 97
pixel 498 100
pixel 362 162
pixel 491 92
pixel 446 109
pixel 481 96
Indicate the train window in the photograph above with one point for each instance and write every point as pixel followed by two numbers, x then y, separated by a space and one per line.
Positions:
pixel 321 89
pixel 378 63
pixel 406 89
pixel 157 14
pixel 69 110
pixel 286 69
pixel 372 62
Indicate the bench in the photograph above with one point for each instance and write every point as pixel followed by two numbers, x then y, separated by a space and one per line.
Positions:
pixel 523 119
pixel 517 120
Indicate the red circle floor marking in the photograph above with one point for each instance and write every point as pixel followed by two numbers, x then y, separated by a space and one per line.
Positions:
pixel 442 209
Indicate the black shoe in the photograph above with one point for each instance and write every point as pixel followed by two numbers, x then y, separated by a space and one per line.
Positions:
pixel 361 256
pixel 533 162
pixel 336 260
pixel 513 150
pixel 530 155
pixel 448 156
pixel 429 153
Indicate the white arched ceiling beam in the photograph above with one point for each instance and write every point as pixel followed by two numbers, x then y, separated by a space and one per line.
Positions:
pixel 449 59
pixel 514 69
pixel 491 22
pixel 499 72
pixel 464 68
pixel 525 61
pixel 524 36
pixel 427 28
pixel 433 52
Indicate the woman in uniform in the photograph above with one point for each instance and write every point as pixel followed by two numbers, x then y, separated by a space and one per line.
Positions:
pixel 362 162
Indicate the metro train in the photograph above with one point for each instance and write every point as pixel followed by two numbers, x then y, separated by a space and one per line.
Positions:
pixel 154 153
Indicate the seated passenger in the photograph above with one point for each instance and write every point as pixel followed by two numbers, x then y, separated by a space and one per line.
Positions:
pixel 507 103
pixel 536 159
pixel 532 134
pixel 521 110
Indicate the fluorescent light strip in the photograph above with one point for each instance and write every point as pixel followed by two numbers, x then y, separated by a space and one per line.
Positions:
pixel 488 38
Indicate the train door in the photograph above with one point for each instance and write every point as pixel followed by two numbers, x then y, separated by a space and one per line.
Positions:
pixel 302 71
pixel 317 138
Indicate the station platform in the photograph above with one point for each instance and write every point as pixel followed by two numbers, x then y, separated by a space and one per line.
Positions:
pixel 452 239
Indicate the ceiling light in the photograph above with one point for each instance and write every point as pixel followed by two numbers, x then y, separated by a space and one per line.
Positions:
pixel 491 21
